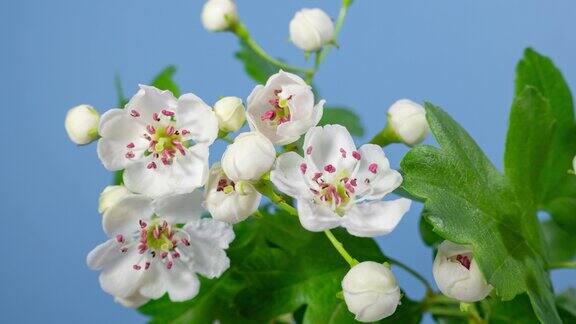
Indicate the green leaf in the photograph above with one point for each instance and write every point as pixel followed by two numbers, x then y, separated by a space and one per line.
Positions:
pixel 165 80
pixel 566 303
pixel 256 67
pixel 470 202
pixel 122 100
pixel 548 162
pixel 427 233
pixel 561 244
pixel 344 117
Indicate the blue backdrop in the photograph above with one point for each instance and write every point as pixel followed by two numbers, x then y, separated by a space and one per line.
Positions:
pixel 56 54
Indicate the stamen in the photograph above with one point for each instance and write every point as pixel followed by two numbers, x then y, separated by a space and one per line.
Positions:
pixel 356 155
pixel 136 267
pixel 147 265
pixel 309 150
pixel 269 115
pixel 142 224
pixel 343 152
pixel 119 238
pixel 124 250
pixel 185 132
pixel 151 165
pixel 151 130
pixel 168 113
pixel 330 168
pixel 185 241
pixel 130 145
pixel 156 117
pixel 169 265
pixel 170 130
pixel 303 168
pixel 134 113
pixel 129 155
pixel 373 168
pixel 464 260
pixel 317 176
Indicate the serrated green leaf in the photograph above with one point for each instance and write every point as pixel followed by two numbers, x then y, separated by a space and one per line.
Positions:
pixel 165 80
pixel 344 117
pixel 256 67
pixel 547 163
pixel 471 202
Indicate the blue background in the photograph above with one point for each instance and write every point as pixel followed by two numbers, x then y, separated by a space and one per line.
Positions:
pixel 57 54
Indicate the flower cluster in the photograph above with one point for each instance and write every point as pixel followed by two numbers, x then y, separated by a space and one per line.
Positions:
pixel 172 218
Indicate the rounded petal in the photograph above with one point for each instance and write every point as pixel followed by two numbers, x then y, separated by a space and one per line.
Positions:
pixel 103 254
pixel 375 178
pixel 119 278
pixel 184 175
pixel 324 145
pixel 123 217
pixel 180 208
pixel 315 217
pixel 198 118
pixel 208 239
pixel 117 130
pixel 287 175
pixel 249 157
pixel 181 283
pixel 149 100
pixel 133 301
pixel 375 218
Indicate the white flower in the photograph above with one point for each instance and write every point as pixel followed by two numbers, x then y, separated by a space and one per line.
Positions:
pixel 370 291
pixel 336 185
pixel 230 113
pixel 310 29
pixel 283 109
pixel 110 196
pixel 133 301
pixel 81 124
pixel 230 201
pixel 457 274
pixel 217 15
pixel 161 141
pixel 249 157
pixel 408 120
pixel 147 255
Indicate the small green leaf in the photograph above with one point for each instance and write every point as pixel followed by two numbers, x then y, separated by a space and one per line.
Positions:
pixel 122 100
pixel 561 244
pixel 427 233
pixel 344 117
pixel 256 67
pixel 165 80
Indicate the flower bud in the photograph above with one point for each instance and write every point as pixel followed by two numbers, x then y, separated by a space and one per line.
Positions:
pixel 230 201
pixel 408 121
pixel 81 124
pixel 249 157
pixel 310 29
pixel 371 291
pixel 110 196
pixel 218 15
pixel 457 274
pixel 230 113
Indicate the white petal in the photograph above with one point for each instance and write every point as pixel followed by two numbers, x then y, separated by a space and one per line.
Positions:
pixel 375 218
pixel 282 78
pixel 181 283
pixel 208 239
pixel 154 284
pixel 287 175
pixel 133 301
pixel 103 254
pixel 123 217
pixel 198 118
pixel 325 144
pixel 315 217
pixel 375 185
pixel 119 278
pixel 150 100
pixel 181 208
pixel 184 175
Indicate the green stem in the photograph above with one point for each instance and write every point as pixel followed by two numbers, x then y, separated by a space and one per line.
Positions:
pixel 339 23
pixel 446 312
pixel 340 248
pixel 413 272
pixel 386 137
pixel 242 32
pixel 562 265
pixel 265 187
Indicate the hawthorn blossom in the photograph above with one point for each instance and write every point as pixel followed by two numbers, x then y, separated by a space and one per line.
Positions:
pixel 249 157
pixel 81 124
pixel 336 184
pixel 231 114
pixel 149 254
pixel 227 200
pixel 371 291
pixel 161 141
pixel 283 109
pixel 310 29
pixel 408 121
pixel 457 273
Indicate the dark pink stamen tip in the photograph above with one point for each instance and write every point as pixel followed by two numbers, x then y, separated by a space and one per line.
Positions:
pixel 156 117
pixel 130 145
pixel 119 238
pixel 129 155
pixel 353 182
pixel 303 168
pixel 330 168
pixel 464 260
pixel 147 265
pixel 185 132
pixel 151 165
pixel 169 265
pixel 136 267
pixel 134 113
pixel 164 255
pixel 309 150
pixel 185 241
pixel 124 250
pixel 150 129
pixel 142 224
pixel 356 155
pixel 167 113
pixel 170 130
pixel 343 152
pixel 373 167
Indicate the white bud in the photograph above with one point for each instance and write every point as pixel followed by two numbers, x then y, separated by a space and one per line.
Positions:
pixel 249 157
pixel 574 165
pixel 218 15
pixel 370 291
pixel 408 121
pixel 230 113
pixel 110 196
pixel 310 29
pixel 81 124
pixel 230 201
pixel 457 274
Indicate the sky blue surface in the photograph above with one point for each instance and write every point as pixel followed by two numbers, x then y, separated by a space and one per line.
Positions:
pixel 56 54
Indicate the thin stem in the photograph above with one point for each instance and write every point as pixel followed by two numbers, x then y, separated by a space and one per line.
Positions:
pixel 265 187
pixel 340 248
pixel 242 32
pixel 339 23
pixel 446 312
pixel 562 265
pixel 412 272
